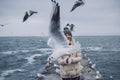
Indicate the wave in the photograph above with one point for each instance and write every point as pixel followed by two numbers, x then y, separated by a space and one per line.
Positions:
pixel 26 51
pixel 31 58
pixel 9 52
pixel 45 49
pixel 8 72
pixel 14 52
pixel 94 48
pixel 99 49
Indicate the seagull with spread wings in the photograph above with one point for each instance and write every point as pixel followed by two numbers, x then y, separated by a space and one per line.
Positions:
pixel 77 4
pixel 28 14
pixel 2 25
pixel 71 26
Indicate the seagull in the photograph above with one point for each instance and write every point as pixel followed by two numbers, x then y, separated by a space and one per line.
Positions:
pixel 97 72
pixel 93 66
pixel 55 28
pixel 71 26
pixel 28 14
pixel 2 25
pixel 90 62
pixel 85 55
pixel 56 36
pixel 53 1
pixel 66 28
pixel 40 76
pixel 78 3
pixel 98 75
pixel 68 24
pixel 32 12
pixel 57 70
pixel 89 59
pixel 55 65
pixel 111 76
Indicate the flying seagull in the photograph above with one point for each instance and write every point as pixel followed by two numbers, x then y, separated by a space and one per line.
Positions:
pixel 28 14
pixel 54 28
pixel 67 24
pixel 32 12
pixel 78 3
pixel 2 25
pixel 57 38
pixel 53 1
pixel 71 26
pixel 93 66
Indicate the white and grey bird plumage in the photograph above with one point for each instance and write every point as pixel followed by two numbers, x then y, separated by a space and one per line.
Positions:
pixel 32 12
pixel 98 75
pixel 89 59
pixel 71 26
pixel 97 72
pixel 78 3
pixel 54 28
pixel 111 77
pixel 90 62
pixel 53 1
pixel 93 66
pixel 67 24
pixel 28 14
pixel 2 25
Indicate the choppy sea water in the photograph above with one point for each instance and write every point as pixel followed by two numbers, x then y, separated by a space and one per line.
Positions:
pixel 21 58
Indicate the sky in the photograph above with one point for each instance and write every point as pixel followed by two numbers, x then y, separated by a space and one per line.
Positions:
pixel 96 17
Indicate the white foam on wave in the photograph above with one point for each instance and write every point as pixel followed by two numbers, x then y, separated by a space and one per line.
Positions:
pixel 9 52
pixel 31 58
pixel 94 48
pixel 99 49
pixel 14 52
pixel 114 49
pixel 24 51
pixel 44 49
pixel 7 72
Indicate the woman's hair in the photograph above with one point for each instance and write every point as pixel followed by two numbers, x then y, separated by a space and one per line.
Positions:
pixel 67 31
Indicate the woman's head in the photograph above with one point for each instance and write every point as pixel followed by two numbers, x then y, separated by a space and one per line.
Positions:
pixel 67 33
pixel 68 36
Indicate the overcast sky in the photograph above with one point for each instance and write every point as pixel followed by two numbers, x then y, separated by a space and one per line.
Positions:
pixel 96 17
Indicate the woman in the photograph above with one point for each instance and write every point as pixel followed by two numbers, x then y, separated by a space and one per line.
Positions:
pixel 70 67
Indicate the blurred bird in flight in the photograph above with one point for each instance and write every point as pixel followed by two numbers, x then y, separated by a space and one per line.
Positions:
pixel 77 4
pixel 28 14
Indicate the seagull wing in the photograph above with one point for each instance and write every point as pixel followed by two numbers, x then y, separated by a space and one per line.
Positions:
pixel 32 12
pixel 78 3
pixel 71 27
pixel 67 24
pixel 25 17
pixel 55 31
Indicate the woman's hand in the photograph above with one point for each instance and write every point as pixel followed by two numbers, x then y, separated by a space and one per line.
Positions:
pixel 68 60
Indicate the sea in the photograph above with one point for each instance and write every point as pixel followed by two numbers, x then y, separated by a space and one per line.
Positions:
pixel 22 58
